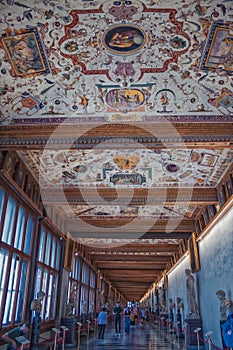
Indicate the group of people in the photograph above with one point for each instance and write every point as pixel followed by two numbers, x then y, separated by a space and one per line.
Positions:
pixel 118 312
pixel 226 308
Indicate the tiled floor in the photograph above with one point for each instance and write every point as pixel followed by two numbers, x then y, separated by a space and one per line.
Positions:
pixel 140 337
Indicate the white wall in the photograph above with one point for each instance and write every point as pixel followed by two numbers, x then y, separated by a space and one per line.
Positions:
pixel 216 260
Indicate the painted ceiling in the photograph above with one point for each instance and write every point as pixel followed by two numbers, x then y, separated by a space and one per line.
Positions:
pixel 82 82
pixel 129 168
pixel 113 61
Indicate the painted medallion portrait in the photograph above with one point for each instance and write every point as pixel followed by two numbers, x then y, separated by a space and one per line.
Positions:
pixel 125 39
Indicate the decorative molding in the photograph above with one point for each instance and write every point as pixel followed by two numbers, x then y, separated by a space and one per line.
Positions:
pixel 89 142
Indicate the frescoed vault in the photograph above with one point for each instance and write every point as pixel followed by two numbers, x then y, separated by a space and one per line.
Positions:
pixel 107 61
pixel 129 168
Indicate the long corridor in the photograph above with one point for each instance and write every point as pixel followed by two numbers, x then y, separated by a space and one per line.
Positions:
pixel 140 337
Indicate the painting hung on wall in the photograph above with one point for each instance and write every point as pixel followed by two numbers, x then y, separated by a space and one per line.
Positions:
pixel 194 261
pixel 219 48
pixel 69 254
pixel 26 53
pixel 165 280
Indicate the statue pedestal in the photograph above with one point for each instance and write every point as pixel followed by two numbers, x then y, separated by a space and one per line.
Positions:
pixel 191 336
pixel 36 330
pixel 70 323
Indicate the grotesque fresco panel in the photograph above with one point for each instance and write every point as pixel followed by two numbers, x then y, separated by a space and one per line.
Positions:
pixel 25 53
pixel 219 48
pixel 130 168
pixel 113 61
pixel 111 211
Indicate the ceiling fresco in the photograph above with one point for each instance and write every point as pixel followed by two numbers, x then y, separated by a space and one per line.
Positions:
pixel 113 61
pixel 118 212
pixel 129 168
pixel 118 115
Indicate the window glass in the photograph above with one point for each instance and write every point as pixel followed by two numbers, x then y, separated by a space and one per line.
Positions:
pixel 91 300
pixel 21 292
pixel 53 297
pixel 92 279
pixel 19 229
pixel 85 273
pixel 11 290
pixel 29 235
pixel 2 196
pixel 53 252
pixel 44 288
pixel 41 245
pixel 49 297
pixel 39 272
pixel 47 251
pixel 83 299
pixel 9 221
pixel 3 267
pixel 14 265
pixel 76 269
pixel 58 255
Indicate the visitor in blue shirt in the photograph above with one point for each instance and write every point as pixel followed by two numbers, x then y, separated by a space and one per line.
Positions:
pixel 102 321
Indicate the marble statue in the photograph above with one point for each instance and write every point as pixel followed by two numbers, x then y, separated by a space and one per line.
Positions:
pixel 190 293
pixel 226 305
pixel 36 304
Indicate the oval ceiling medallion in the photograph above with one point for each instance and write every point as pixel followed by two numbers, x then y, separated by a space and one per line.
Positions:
pixel 124 39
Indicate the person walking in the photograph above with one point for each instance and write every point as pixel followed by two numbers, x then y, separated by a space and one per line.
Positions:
pixel 117 318
pixel 102 321
pixel 127 322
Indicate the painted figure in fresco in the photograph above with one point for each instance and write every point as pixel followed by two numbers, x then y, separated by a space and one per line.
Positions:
pixel 25 54
pixel 222 53
pixel 226 305
pixel 190 293
pixel 36 304
pixel 125 39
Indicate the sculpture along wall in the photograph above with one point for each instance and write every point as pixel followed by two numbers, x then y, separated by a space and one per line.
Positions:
pixel 216 260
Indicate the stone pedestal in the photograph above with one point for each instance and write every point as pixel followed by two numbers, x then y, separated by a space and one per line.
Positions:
pixel 36 330
pixel 191 336
pixel 70 323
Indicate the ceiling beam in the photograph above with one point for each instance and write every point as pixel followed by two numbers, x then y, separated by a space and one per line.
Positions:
pixel 151 196
pixel 130 258
pixel 194 134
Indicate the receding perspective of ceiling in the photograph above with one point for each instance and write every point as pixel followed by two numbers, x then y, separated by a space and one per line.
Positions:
pixel 122 111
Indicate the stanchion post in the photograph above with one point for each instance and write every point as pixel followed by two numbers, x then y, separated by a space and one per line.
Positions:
pixel 162 319
pixel 168 324
pixel 64 330
pixel 95 323
pixel 56 331
pixel 197 330
pixel 178 334
pixel 208 334
pixel 79 329
pixel 185 335
pixel 88 330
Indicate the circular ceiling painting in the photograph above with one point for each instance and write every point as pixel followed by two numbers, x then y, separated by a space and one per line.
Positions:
pixel 125 39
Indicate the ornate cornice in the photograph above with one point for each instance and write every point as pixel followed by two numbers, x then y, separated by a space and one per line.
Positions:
pixel 107 141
